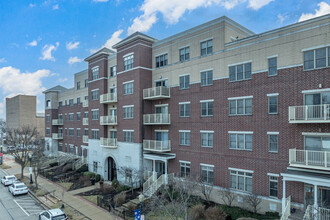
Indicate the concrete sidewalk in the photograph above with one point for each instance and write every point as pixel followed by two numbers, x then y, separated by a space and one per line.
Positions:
pixel 85 207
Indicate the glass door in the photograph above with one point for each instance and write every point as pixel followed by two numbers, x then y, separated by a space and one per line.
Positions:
pixel 113 112
pixel 113 134
pixel 162 112
pixel 162 83
pixel 163 137
pixel 160 168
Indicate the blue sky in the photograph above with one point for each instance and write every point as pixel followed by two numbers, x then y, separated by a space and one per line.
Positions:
pixel 43 43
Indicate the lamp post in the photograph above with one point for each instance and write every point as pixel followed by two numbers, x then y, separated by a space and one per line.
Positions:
pixel 30 169
pixel 141 199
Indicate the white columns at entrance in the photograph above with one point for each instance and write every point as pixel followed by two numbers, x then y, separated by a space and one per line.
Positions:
pixel 166 180
pixel 315 202
pixel 283 197
pixel 154 170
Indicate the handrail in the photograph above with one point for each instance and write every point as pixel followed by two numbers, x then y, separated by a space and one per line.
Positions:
pixel 286 212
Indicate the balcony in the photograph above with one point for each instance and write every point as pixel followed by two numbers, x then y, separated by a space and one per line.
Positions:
pixel 57 122
pixel 109 142
pixel 85 104
pixel 57 136
pixel 159 92
pixel 85 121
pixel 108 98
pixel 319 160
pixel 85 139
pixel 309 114
pixel 157 146
pixel 108 120
pixel 156 119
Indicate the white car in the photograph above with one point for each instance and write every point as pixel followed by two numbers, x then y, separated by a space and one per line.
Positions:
pixel 8 180
pixel 18 189
pixel 54 214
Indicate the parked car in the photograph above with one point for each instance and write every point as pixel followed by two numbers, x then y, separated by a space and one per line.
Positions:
pixel 54 214
pixel 8 180
pixel 18 188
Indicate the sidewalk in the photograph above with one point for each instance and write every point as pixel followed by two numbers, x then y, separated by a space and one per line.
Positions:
pixel 85 207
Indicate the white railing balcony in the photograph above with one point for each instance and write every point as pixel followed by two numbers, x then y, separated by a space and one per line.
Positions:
pixel 157 146
pixel 309 114
pixel 286 212
pixel 85 104
pixel 108 98
pixel 318 213
pixel 57 122
pixel 108 120
pixel 156 119
pixel 109 142
pixel 309 159
pixel 159 92
pixel 85 121
pixel 85 139
pixel 57 136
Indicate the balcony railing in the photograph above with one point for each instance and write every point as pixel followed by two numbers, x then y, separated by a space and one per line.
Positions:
pixel 85 104
pixel 160 92
pixel 85 121
pixel 158 146
pixel 57 122
pixel 309 114
pixel 57 136
pixel 108 120
pixel 156 119
pixel 109 142
pixel 108 98
pixel 309 159
pixel 85 139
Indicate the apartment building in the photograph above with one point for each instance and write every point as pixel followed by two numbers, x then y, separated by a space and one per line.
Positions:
pixel 244 111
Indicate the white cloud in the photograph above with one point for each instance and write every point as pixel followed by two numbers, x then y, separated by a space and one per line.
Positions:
pixel 13 81
pixel 324 9
pixel 2 107
pixel 93 50
pixel 113 39
pixel 73 60
pixel 33 43
pixel 3 60
pixel 257 4
pixel 32 5
pixel 62 80
pixel 47 51
pixel 55 7
pixel 72 45
pixel 100 0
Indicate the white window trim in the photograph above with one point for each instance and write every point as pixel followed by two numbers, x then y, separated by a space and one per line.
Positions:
pixel 184 47
pixel 161 105
pixel 95 109
pixel 241 97
pixel 272 94
pixel 203 131
pixel 240 170
pixel 184 131
pixel 314 134
pixel 126 106
pixel 95 67
pixel 209 100
pixel 244 62
pixel 240 132
pixel 128 130
pixel 211 38
pixel 316 90
pixel 273 133
pixel 313 48
pixel 159 80
pixel 128 54
pixel 183 103
pixel 164 53
pixel 128 82
pixel 272 56
pixel 206 165
pixel 206 70
pixel 161 131
pixel 95 129
pixel 95 90
pixel 183 161
pixel 186 74
pixel 273 174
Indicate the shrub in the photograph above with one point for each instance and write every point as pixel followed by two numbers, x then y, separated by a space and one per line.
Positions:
pixel 53 164
pixel 272 214
pixel 83 168
pixel 120 198
pixel 89 174
pixel 83 179
pixel 97 177
pixel 197 212
pixel 108 188
pixel 131 207
pixel 67 167
pixel 214 213
pixel 122 188
pixel 115 183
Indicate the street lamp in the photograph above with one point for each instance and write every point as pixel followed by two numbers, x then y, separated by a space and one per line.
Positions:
pixel 141 199
pixel 30 169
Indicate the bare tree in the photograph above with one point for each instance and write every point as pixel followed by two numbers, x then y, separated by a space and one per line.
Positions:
pixel 38 159
pixel 22 141
pixel 227 197
pixel 206 190
pixel 3 127
pixel 132 176
pixel 253 201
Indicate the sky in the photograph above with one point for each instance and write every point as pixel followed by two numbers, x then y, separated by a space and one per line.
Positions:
pixel 43 43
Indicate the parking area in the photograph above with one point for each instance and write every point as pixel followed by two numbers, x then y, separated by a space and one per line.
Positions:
pixel 28 205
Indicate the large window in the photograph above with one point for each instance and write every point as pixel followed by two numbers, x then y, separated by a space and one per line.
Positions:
pixel 317 58
pixel 60 146
pixel 95 94
pixel 113 71
pixel 95 134
pixel 78 85
pixel 161 60
pixel 95 114
pixel 47 131
pixel 78 132
pixel 272 66
pixel 71 116
pixel 241 180
pixel 184 137
pixel 240 72
pixel 207 138
pixel 184 109
pixel 207 173
pixel 184 169
pixel 184 81
pixel 129 62
pixel 207 108
pixel 240 140
pixel 184 54
pixel 128 136
pixel 207 78
pixel 206 47
pixel 317 143
pixel 240 106
pixel 128 111
pixel 47 118
pixel 86 83
pixel 71 102
pixel 273 186
pixel 273 142
pixel 71 131
pixel 78 101
pixel 95 73
pixel 272 104
pixel 78 116
pixel 128 88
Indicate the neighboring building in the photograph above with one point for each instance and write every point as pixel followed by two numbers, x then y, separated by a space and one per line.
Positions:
pixel 244 111
pixel 21 110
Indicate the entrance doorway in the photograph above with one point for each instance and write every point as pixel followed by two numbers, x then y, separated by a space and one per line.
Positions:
pixel 160 168
pixel 112 170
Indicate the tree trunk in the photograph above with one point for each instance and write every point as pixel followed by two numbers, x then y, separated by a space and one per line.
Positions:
pixel 36 180
pixel 22 171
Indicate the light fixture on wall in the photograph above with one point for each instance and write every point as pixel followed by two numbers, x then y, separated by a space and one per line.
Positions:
pixel 160 77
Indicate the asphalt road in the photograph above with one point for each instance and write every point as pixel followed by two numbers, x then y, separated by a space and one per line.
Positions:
pixel 22 207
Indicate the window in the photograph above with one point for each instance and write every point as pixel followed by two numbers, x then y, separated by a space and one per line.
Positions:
pixel 95 73
pixel 317 143
pixel 128 88
pixel 184 54
pixel 184 138
pixel 113 71
pixel 207 138
pixel 78 116
pixel 86 83
pixel 207 108
pixel 316 58
pixel 48 104
pixel 206 47
pixel 161 60
pixel 86 115
pixel 71 131
pixel 184 81
pixel 128 136
pixel 95 134
pixel 240 106
pixel 95 166
pixel 184 109
pixel 240 141
pixel 95 95
pixel 273 142
pixel 60 146
pixel 86 97
pixel 241 180
pixel 128 111
pixel 78 85
pixel 240 72
pixel 272 66
pixel 66 102
pixel 208 174
pixel 207 78
pixel 320 58
pixel 273 186
pixel 161 83
pixel 47 118
pixel 129 62
pixel 66 131
pixel 71 116
pixel 47 131
pixel 60 104
pixel 272 104
pixel 71 102
pixel 78 132
pixel 78 101
pixel 95 114
pixel 184 169
pixel 86 131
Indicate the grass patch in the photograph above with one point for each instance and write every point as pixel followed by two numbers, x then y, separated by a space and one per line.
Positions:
pixel 40 192
pixel 92 198
pixel 66 185
pixel 5 166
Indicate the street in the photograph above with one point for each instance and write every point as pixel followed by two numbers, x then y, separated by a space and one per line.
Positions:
pixel 22 207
